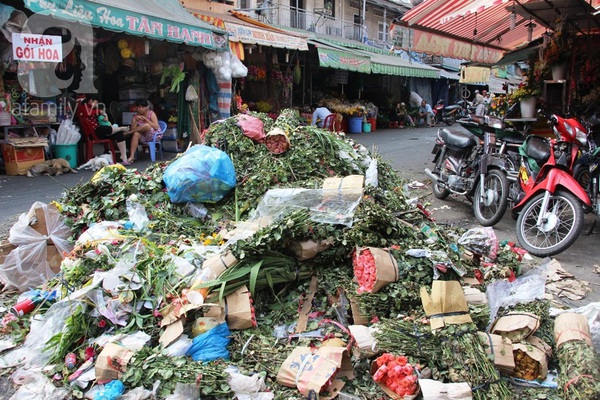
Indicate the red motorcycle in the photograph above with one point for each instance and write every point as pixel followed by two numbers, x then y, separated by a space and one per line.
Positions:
pixel 551 203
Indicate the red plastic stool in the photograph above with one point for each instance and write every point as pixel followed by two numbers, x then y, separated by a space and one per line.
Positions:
pixel 393 124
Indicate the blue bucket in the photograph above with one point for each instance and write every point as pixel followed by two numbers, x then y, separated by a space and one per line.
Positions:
pixel 355 124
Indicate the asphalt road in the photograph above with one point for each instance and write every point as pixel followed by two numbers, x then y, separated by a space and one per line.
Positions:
pixel 409 152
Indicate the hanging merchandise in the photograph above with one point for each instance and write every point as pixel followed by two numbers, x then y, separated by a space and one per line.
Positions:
pixel 297 73
pixel 176 74
pixel 191 94
pixel 341 76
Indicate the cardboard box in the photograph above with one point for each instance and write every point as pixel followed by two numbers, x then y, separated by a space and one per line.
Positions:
pixel 21 154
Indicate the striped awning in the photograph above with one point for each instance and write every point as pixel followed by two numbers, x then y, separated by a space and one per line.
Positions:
pixel 395 65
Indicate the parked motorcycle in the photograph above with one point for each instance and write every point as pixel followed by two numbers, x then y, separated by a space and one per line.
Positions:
pixel 551 202
pixel 448 114
pixel 465 166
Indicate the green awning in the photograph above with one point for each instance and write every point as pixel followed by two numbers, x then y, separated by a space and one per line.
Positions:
pixel 154 19
pixel 330 57
pixel 394 65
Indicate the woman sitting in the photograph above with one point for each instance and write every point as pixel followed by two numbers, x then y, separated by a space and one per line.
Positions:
pixel 143 127
pixel 95 113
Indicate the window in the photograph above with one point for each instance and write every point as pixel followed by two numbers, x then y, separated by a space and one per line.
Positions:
pixel 382 28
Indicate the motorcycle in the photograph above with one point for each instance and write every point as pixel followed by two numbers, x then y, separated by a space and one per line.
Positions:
pixel 551 202
pixel 448 114
pixel 465 166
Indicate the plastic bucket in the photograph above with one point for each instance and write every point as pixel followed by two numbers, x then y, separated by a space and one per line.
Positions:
pixel 355 124
pixel 373 123
pixel 366 127
pixel 66 151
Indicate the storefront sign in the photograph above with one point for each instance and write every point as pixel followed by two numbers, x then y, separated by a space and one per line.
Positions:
pixel 174 25
pixel 430 43
pixel 250 35
pixel 30 47
pixel 332 58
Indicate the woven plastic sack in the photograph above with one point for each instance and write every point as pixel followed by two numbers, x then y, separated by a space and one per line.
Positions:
pixel 201 174
pixel 252 127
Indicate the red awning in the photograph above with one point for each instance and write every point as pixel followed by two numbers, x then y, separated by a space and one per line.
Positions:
pixel 484 26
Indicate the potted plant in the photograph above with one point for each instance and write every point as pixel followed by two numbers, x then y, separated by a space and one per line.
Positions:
pixel 527 94
pixel 556 53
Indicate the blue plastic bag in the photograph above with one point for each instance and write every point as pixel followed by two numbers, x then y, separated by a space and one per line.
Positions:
pixel 111 391
pixel 201 174
pixel 211 345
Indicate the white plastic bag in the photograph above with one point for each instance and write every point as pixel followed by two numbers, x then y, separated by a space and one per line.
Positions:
pixel 36 386
pixel 27 266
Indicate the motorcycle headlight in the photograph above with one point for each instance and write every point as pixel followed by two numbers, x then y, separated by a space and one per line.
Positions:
pixel 581 136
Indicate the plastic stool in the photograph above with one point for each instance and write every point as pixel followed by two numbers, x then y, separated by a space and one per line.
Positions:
pixel 393 124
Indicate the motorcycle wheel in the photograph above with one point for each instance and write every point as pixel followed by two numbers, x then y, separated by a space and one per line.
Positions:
pixel 450 120
pixel 489 207
pixel 435 119
pixel 562 225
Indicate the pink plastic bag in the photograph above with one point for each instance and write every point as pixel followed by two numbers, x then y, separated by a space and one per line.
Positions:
pixel 252 127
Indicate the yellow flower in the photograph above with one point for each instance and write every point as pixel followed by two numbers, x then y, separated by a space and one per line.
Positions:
pixel 126 53
pixel 122 44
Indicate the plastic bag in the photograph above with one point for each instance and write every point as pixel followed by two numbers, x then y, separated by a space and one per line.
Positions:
pixel 28 265
pixel 524 289
pixel 201 174
pixel 33 352
pixel 371 178
pixel 36 386
pixel 336 209
pixel 211 345
pixel 139 393
pixel 481 240
pixel 137 213
pixel 238 69
pixel 180 347
pixel 110 391
pixel 252 127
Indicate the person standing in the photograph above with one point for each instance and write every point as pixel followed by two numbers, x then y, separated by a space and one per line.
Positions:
pixel 319 113
pixel 479 103
pixel 90 109
pixel 425 114
pixel 143 127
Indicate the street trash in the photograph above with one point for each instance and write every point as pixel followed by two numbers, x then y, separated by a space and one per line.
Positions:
pixel 252 127
pixel 374 268
pixel 36 386
pixel 137 213
pixel 211 345
pixel 110 391
pixel 201 174
pixel 41 238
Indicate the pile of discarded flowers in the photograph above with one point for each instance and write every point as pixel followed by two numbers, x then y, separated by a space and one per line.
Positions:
pixel 276 261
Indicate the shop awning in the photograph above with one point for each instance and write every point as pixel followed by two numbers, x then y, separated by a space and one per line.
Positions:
pixel 451 75
pixel 338 58
pixel 244 30
pixel 394 65
pixel 154 19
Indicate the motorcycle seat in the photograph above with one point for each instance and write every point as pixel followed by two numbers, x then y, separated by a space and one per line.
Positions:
pixel 538 149
pixel 513 139
pixel 480 120
pixel 452 107
pixel 458 138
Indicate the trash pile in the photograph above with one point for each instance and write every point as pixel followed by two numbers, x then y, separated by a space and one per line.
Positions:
pixel 303 268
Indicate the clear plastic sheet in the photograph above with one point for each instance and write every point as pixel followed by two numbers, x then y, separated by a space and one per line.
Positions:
pixel 481 240
pixel 36 386
pixel 32 353
pixel 27 266
pixel 326 206
pixel 526 288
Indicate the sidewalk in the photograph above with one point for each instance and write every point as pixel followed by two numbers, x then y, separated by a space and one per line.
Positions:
pixel 18 193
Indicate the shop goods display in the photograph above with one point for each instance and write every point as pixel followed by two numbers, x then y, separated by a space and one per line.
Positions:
pixel 277 261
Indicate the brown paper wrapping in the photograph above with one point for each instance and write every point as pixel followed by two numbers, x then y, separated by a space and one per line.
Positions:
pixel 219 263
pixel 235 308
pixel 474 296
pixel 112 362
pixel 358 316
pixel 516 326
pixel 446 305
pixel 571 326
pixel 308 370
pixel 502 351
pixel 309 248
pixel 436 390
pixel 347 182
pixel 386 265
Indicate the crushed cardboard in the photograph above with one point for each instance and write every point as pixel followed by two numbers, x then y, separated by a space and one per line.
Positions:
pixel 563 284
